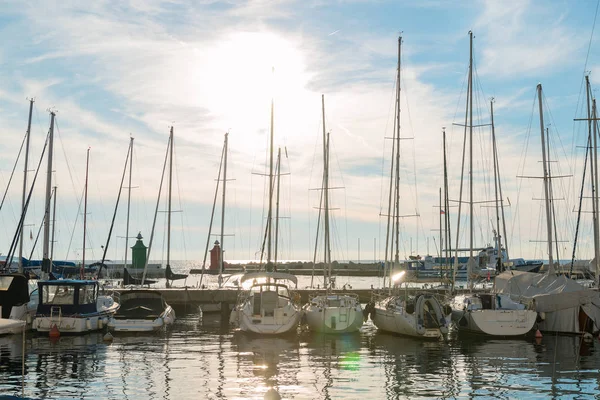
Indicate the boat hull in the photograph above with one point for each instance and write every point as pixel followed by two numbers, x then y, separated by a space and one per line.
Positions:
pixel 142 325
pixel 391 315
pixel 333 314
pixel 11 326
pixel 276 325
pixel 496 322
pixel 79 323
pixel 402 324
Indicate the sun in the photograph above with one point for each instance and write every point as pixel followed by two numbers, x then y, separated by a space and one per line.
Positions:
pixel 243 71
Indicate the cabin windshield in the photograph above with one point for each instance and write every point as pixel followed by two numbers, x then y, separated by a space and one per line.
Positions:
pixel 281 290
pixel 87 295
pixel 5 282
pixel 58 294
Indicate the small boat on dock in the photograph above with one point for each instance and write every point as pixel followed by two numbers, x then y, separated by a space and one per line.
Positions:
pixel 141 311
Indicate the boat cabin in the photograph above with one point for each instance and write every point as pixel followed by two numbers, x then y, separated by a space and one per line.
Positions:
pixel 72 296
pixel 267 297
pixel 14 291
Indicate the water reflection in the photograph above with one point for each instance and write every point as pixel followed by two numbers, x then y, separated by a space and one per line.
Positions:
pixel 413 367
pixel 273 362
pixel 78 360
pixel 204 360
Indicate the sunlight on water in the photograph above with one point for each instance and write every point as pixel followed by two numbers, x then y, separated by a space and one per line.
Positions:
pixel 201 359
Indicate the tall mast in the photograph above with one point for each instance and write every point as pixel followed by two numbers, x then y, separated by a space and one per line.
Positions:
pixel 498 238
pixel 397 133
pixel 169 201
pixel 87 164
pixel 270 213
pixel 446 203
pixel 277 206
pixel 46 262
pixel 25 183
pixel 54 194
pixel 596 228
pixel 441 233
pixel 591 113
pixel 327 249
pixel 223 207
pixel 546 184
pixel 128 203
pixel 469 264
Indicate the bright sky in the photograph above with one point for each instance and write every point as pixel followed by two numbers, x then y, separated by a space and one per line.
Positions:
pixel 112 70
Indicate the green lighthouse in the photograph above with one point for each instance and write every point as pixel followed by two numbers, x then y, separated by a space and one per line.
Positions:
pixel 138 253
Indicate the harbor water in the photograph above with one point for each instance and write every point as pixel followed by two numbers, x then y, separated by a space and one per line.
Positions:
pixel 200 357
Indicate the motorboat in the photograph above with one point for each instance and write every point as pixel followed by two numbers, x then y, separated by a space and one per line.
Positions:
pixel 72 306
pixel 141 311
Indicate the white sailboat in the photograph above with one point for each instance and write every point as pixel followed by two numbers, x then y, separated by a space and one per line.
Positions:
pixel 564 305
pixel 419 316
pixel 267 305
pixel 331 312
pixel 146 310
pixel 490 314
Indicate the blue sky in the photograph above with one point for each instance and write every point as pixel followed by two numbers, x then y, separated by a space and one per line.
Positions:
pixel 137 67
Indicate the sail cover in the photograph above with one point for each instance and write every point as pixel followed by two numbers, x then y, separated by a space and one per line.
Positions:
pixel 560 299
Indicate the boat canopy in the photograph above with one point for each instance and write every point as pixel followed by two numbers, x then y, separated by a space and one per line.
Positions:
pixel 271 275
pixel 72 295
pixel 559 297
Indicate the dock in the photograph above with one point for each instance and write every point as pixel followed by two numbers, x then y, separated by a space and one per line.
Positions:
pixel 222 300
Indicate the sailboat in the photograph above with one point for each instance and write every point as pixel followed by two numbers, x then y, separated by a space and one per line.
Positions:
pixel 563 305
pixel 331 312
pixel 146 310
pixel 218 246
pixel 419 316
pixel 267 305
pixel 490 314
pixel 18 294
pixel 72 305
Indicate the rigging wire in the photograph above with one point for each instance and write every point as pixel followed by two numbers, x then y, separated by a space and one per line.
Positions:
pixel 13 171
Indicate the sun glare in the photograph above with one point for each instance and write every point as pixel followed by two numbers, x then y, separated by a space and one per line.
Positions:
pixel 244 71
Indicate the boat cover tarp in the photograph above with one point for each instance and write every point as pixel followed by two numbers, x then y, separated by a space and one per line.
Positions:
pixel 559 297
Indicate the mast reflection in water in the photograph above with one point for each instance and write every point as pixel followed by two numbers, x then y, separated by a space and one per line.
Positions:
pixel 202 359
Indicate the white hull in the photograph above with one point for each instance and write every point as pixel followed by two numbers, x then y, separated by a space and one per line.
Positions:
pixel 276 325
pixel 495 322
pixel 492 314
pixel 143 325
pixel 402 323
pixel 80 323
pixel 334 314
pixel 391 315
pixel 11 326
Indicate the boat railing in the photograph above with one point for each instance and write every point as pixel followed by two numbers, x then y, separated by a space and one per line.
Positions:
pixel 313 296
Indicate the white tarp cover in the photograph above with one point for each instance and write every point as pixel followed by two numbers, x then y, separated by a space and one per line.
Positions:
pixel 559 297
